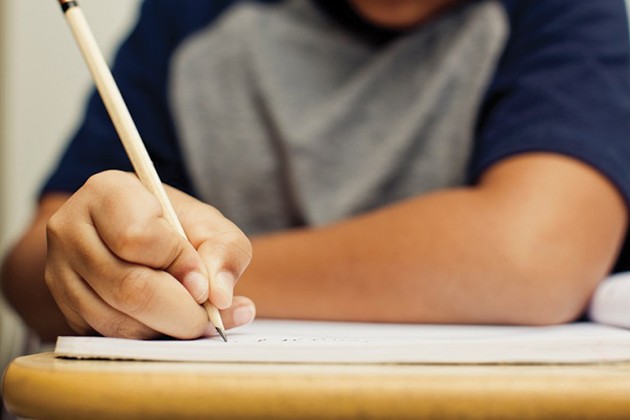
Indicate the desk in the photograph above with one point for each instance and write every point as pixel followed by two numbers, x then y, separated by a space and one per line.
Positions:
pixel 41 386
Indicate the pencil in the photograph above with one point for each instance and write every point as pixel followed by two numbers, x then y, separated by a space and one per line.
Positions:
pixel 125 127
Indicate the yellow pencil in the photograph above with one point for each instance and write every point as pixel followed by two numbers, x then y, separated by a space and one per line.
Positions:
pixel 126 128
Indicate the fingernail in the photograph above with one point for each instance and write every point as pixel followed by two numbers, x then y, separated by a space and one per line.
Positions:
pixel 243 315
pixel 197 286
pixel 222 290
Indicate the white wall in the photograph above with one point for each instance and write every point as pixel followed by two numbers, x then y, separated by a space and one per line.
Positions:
pixel 43 85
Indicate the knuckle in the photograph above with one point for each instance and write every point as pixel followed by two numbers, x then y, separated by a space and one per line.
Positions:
pixel 236 243
pixel 172 253
pixel 80 328
pixel 139 239
pixel 73 309
pixel 54 227
pixel 58 288
pixel 105 179
pixel 95 183
pixel 57 228
pixel 76 320
pixel 211 212
pixel 50 276
pixel 123 327
pixel 215 212
pixel 131 240
pixel 101 190
pixel 134 292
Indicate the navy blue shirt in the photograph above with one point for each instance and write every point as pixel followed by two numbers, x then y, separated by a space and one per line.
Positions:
pixel 562 85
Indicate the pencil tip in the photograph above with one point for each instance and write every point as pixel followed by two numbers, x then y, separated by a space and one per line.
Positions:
pixel 222 334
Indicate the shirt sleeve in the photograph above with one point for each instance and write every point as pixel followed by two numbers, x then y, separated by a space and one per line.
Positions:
pixel 140 68
pixel 561 86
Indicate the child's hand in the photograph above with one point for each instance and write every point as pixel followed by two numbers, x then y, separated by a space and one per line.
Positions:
pixel 115 266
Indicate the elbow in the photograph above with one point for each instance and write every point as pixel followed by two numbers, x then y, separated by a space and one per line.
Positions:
pixel 550 291
pixel 550 271
pixel 547 307
pixel 553 309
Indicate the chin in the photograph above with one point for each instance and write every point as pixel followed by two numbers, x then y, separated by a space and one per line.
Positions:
pixel 397 14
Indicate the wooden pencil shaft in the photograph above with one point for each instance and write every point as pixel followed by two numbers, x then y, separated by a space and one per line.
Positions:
pixel 123 122
pixel 119 113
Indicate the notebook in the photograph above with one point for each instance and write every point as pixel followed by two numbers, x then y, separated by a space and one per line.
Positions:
pixel 291 341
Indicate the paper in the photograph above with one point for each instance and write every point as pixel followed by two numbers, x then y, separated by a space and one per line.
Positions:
pixel 336 342
pixel 610 303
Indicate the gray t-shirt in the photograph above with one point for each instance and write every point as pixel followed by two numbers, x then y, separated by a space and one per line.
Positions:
pixel 285 119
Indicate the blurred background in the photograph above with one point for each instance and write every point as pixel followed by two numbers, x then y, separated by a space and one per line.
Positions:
pixel 43 86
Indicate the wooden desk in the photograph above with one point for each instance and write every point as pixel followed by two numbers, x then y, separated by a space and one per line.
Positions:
pixel 40 386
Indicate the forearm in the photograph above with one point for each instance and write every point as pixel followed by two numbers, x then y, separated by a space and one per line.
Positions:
pixel 23 278
pixel 479 255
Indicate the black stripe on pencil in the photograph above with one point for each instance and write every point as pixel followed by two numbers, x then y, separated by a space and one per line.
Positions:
pixel 67 4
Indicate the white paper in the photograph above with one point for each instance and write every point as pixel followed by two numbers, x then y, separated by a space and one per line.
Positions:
pixel 336 342
pixel 610 303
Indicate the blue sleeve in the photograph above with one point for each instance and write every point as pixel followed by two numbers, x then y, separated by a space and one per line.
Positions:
pixel 562 86
pixel 141 71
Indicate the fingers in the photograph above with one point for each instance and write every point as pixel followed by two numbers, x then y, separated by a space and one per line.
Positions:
pixel 138 233
pixel 86 312
pixel 117 267
pixel 223 247
pixel 215 249
pixel 153 297
pixel 97 289
pixel 242 312
pixel 226 261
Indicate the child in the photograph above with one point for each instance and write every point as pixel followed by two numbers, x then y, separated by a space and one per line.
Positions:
pixel 435 161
